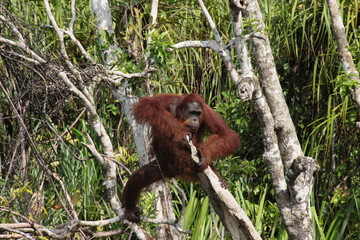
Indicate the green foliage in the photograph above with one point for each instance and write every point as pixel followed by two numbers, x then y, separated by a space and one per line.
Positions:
pixel 339 218
pixel 200 219
pixel 158 48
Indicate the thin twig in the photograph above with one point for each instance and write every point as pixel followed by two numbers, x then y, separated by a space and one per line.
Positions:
pixel 27 236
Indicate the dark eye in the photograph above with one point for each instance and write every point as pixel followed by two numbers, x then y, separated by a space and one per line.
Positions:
pixel 195 113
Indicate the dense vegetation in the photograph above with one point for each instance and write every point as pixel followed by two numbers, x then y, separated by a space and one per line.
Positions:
pixel 314 85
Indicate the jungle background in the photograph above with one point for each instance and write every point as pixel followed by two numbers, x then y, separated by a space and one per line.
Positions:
pixel 315 88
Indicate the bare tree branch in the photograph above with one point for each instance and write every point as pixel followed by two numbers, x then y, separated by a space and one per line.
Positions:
pixel 22 234
pixel 210 21
pixel 59 232
pixel 348 65
pixel 20 43
pixel 231 214
pixel 292 195
pixel 79 45
pixel 73 17
pixel 117 76
pixel 58 32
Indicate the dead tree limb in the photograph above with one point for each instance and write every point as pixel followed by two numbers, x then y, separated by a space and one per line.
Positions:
pixel 231 214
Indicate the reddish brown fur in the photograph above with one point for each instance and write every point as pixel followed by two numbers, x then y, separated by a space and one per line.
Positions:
pixel 165 113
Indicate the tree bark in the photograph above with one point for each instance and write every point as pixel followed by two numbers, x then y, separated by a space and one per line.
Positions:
pixel 231 214
pixel 291 172
pixel 346 59
pixel 123 93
